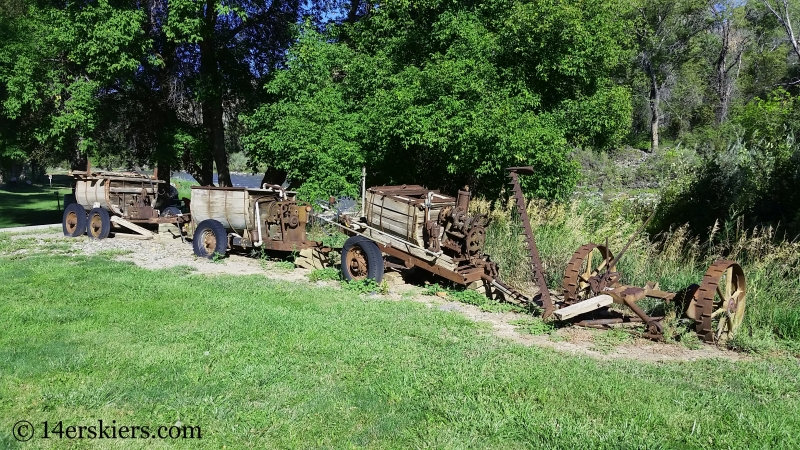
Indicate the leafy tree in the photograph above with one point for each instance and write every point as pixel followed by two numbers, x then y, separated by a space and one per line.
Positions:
pixel 447 94
pixel 785 12
pixel 310 131
pixel 139 82
pixel 664 29
pixel 57 62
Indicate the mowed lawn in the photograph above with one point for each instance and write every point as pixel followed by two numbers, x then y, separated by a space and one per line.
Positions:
pixel 33 205
pixel 264 364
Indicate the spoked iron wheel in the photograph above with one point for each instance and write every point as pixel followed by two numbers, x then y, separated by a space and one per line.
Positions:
pixel 586 262
pixel 719 303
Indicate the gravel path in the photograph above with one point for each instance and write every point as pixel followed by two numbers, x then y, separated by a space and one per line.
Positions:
pixel 164 253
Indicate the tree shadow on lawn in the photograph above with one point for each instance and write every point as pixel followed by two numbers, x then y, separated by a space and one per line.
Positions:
pixel 24 204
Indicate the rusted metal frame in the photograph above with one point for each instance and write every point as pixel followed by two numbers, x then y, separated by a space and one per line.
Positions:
pixel 430 267
pixel 114 178
pixel 655 329
pixel 535 260
pixel 512 295
pixel 290 246
pixel 412 189
pixel 412 260
pixel 613 321
pixel 659 294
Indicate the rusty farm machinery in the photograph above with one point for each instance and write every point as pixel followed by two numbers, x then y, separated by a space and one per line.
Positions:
pixel 417 227
pixel 104 201
pixel 410 226
pixel 591 284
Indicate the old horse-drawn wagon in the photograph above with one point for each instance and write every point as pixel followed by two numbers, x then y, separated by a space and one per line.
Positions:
pixel 106 200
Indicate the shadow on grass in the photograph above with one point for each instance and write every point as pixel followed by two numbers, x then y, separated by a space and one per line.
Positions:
pixel 36 204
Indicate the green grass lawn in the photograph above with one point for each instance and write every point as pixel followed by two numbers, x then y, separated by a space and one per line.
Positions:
pixel 263 364
pixel 33 205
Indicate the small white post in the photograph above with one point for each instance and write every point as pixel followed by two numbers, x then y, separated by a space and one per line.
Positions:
pixel 363 189
pixel 50 176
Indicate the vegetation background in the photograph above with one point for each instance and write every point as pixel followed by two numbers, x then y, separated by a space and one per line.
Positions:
pixel 687 107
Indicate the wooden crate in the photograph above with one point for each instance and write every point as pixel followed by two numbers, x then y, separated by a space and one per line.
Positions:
pixel 401 211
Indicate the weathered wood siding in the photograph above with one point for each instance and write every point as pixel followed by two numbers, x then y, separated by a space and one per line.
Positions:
pixel 395 215
pixel 229 206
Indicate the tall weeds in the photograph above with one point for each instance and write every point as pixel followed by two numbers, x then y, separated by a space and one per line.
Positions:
pixel 675 258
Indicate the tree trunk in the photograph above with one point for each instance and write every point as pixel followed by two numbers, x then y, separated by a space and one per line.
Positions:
pixel 212 97
pixel 655 114
pixel 215 136
pixel 78 160
pixel 203 170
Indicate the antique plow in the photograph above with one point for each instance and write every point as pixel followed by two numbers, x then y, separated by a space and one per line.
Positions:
pixel 592 283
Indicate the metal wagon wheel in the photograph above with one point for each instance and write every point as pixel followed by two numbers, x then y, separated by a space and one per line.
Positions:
pixel 719 303
pixel 210 238
pixel 74 220
pixel 99 225
pixel 585 263
pixel 361 259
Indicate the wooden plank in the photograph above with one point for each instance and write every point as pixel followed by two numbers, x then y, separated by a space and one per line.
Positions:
pixel 376 211
pixel 585 306
pixel 388 202
pixel 131 226
pixel 131 236
pixel 392 227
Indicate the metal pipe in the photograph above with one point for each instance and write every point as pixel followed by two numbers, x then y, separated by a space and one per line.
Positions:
pixel 363 190
pixel 258 221
pixel 381 232
pixel 436 254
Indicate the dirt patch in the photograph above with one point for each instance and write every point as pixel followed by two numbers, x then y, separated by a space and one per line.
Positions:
pixel 161 254
pixel 581 341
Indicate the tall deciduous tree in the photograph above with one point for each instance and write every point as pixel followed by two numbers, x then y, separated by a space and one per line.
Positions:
pixel 663 31
pixel 787 13
pixel 448 94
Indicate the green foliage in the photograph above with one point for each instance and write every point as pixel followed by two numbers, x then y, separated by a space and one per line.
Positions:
pixel 426 101
pixel 753 175
pixel 433 289
pixel 366 286
pixel 284 265
pixel 606 340
pixel 533 326
pixel 311 132
pixel 328 273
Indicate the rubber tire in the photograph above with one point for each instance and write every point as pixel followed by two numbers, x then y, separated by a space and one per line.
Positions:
pixel 80 228
pixel 371 251
pixel 105 223
pixel 170 211
pixel 219 233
